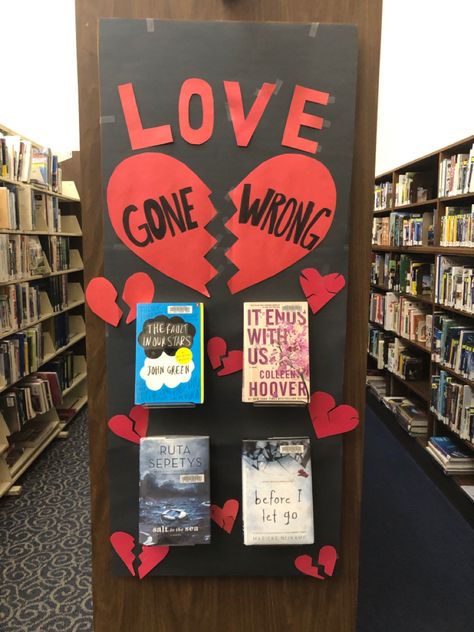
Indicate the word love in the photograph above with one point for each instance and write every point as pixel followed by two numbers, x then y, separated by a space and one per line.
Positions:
pixel 198 92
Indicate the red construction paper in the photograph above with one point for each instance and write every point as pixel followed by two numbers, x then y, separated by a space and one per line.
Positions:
pixel 140 137
pixel 298 118
pixel 304 563
pixel 327 559
pixel 123 544
pixel 173 241
pixel 232 363
pixel 132 427
pixel 225 517
pixel 150 557
pixel 329 419
pixel 319 289
pixel 138 288
pixel 101 296
pixel 285 207
pixel 245 126
pixel 216 348
pixel 201 89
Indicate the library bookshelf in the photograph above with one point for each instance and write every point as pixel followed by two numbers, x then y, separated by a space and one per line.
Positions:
pixel 423 272
pixel 46 304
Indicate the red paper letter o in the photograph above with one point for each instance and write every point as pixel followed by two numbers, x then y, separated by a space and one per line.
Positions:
pixel 202 89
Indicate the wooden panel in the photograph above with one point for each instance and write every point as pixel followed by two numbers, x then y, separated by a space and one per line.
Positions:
pixel 182 604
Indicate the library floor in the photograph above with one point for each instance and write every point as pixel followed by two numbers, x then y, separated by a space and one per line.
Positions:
pixel 417 552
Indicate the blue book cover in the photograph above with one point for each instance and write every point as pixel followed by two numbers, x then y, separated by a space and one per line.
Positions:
pixel 174 491
pixel 450 449
pixel 169 367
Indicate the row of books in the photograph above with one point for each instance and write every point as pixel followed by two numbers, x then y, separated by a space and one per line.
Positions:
pixel 453 456
pixel 22 208
pixel 404 229
pixel 405 363
pixel 21 160
pixel 412 417
pixel 382 196
pixel 454 284
pixel 409 319
pixel 457 226
pixel 453 344
pixel 377 345
pixel 413 187
pixel 402 273
pixel 21 256
pixel 456 174
pixel 24 402
pixel 20 305
pixel 453 403
pixel 57 252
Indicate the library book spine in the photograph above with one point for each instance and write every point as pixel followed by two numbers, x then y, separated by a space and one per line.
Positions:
pixel 174 503
pixel 277 496
pixel 169 354
pixel 276 353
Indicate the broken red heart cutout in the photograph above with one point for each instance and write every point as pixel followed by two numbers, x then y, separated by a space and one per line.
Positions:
pixel 159 209
pixel 326 559
pixel 319 289
pixel 123 544
pixel 225 517
pixel 132 427
pixel 231 362
pixel 285 207
pixel 329 419
pixel 101 296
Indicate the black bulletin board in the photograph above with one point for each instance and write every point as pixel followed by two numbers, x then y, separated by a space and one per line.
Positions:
pixel 157 57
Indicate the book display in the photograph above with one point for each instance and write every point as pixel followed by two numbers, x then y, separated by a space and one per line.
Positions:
pixel 42 327
pixel 421 332
pixel 225 375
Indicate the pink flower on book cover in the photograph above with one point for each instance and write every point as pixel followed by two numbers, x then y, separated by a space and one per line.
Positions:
pixel 291 351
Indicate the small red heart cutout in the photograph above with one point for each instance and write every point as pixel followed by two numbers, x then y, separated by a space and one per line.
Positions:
pixel 216 348
pixel 138 288
pixel 231 363
pixel 150 557
pixel 327 559
pixel 328 419
pixel 319 289
pixel 225 517
pixel 133 427
pixel 304 563
pixel 101 296
pixel 123 544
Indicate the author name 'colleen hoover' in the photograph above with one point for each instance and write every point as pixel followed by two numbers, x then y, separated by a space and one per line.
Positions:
pixel 174 491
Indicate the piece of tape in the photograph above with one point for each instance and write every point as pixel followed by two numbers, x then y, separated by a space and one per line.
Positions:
pixel 313 29
pixel 278 85
pixel 332 99
pixel 110 118
pixel 150 25
pixel 326 123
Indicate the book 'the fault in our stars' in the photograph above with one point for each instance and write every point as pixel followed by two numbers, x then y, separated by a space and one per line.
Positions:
pixel 277 495
pixel 169 354
pixel 276 353
pixel 174 505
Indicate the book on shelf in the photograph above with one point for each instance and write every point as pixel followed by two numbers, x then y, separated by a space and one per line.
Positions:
pixel 457 226
pixel 453 403
pixel 454 284
pixel 412 187
pixel 456 174
pixel 174 502
pixel 453 456
pixel 169 367
pixel 402 229
pixel 453 343
pixel 22 161
pixel 412 417
pixel 382 196
pixel 378 345
pixel 403 362
pixel 277 497
pixel 401 315
pixel 276 353
pixel 20 354
pixel 377 384
pixel 385 270
pixel 21 256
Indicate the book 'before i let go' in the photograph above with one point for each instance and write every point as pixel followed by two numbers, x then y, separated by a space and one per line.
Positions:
pixel 174 491
pixel 277 494
pixel 276 353
pixel 169 354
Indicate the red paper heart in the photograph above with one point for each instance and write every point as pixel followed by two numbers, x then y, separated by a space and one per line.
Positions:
pixel 304 563
pixel 329 419
pixel 285 208
pixel 225 517
pixel 231 363
pixel 150 557
pixel 133 427
pixel 101 296
pixel 216 348
pixel 123 544
pixel 170 235
pixel 318 289
pixel 327 559
pixel 138 288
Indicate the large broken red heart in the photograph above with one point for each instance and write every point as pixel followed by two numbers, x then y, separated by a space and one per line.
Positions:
pixel 123 544
pixel 132 427
pixel 327 559
pixel 101 296
pixel 159 209
pixel 225 516
pixel 285 208
pixel 138 288
pixel 319 289
pixel 329 419
pixel 231 362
